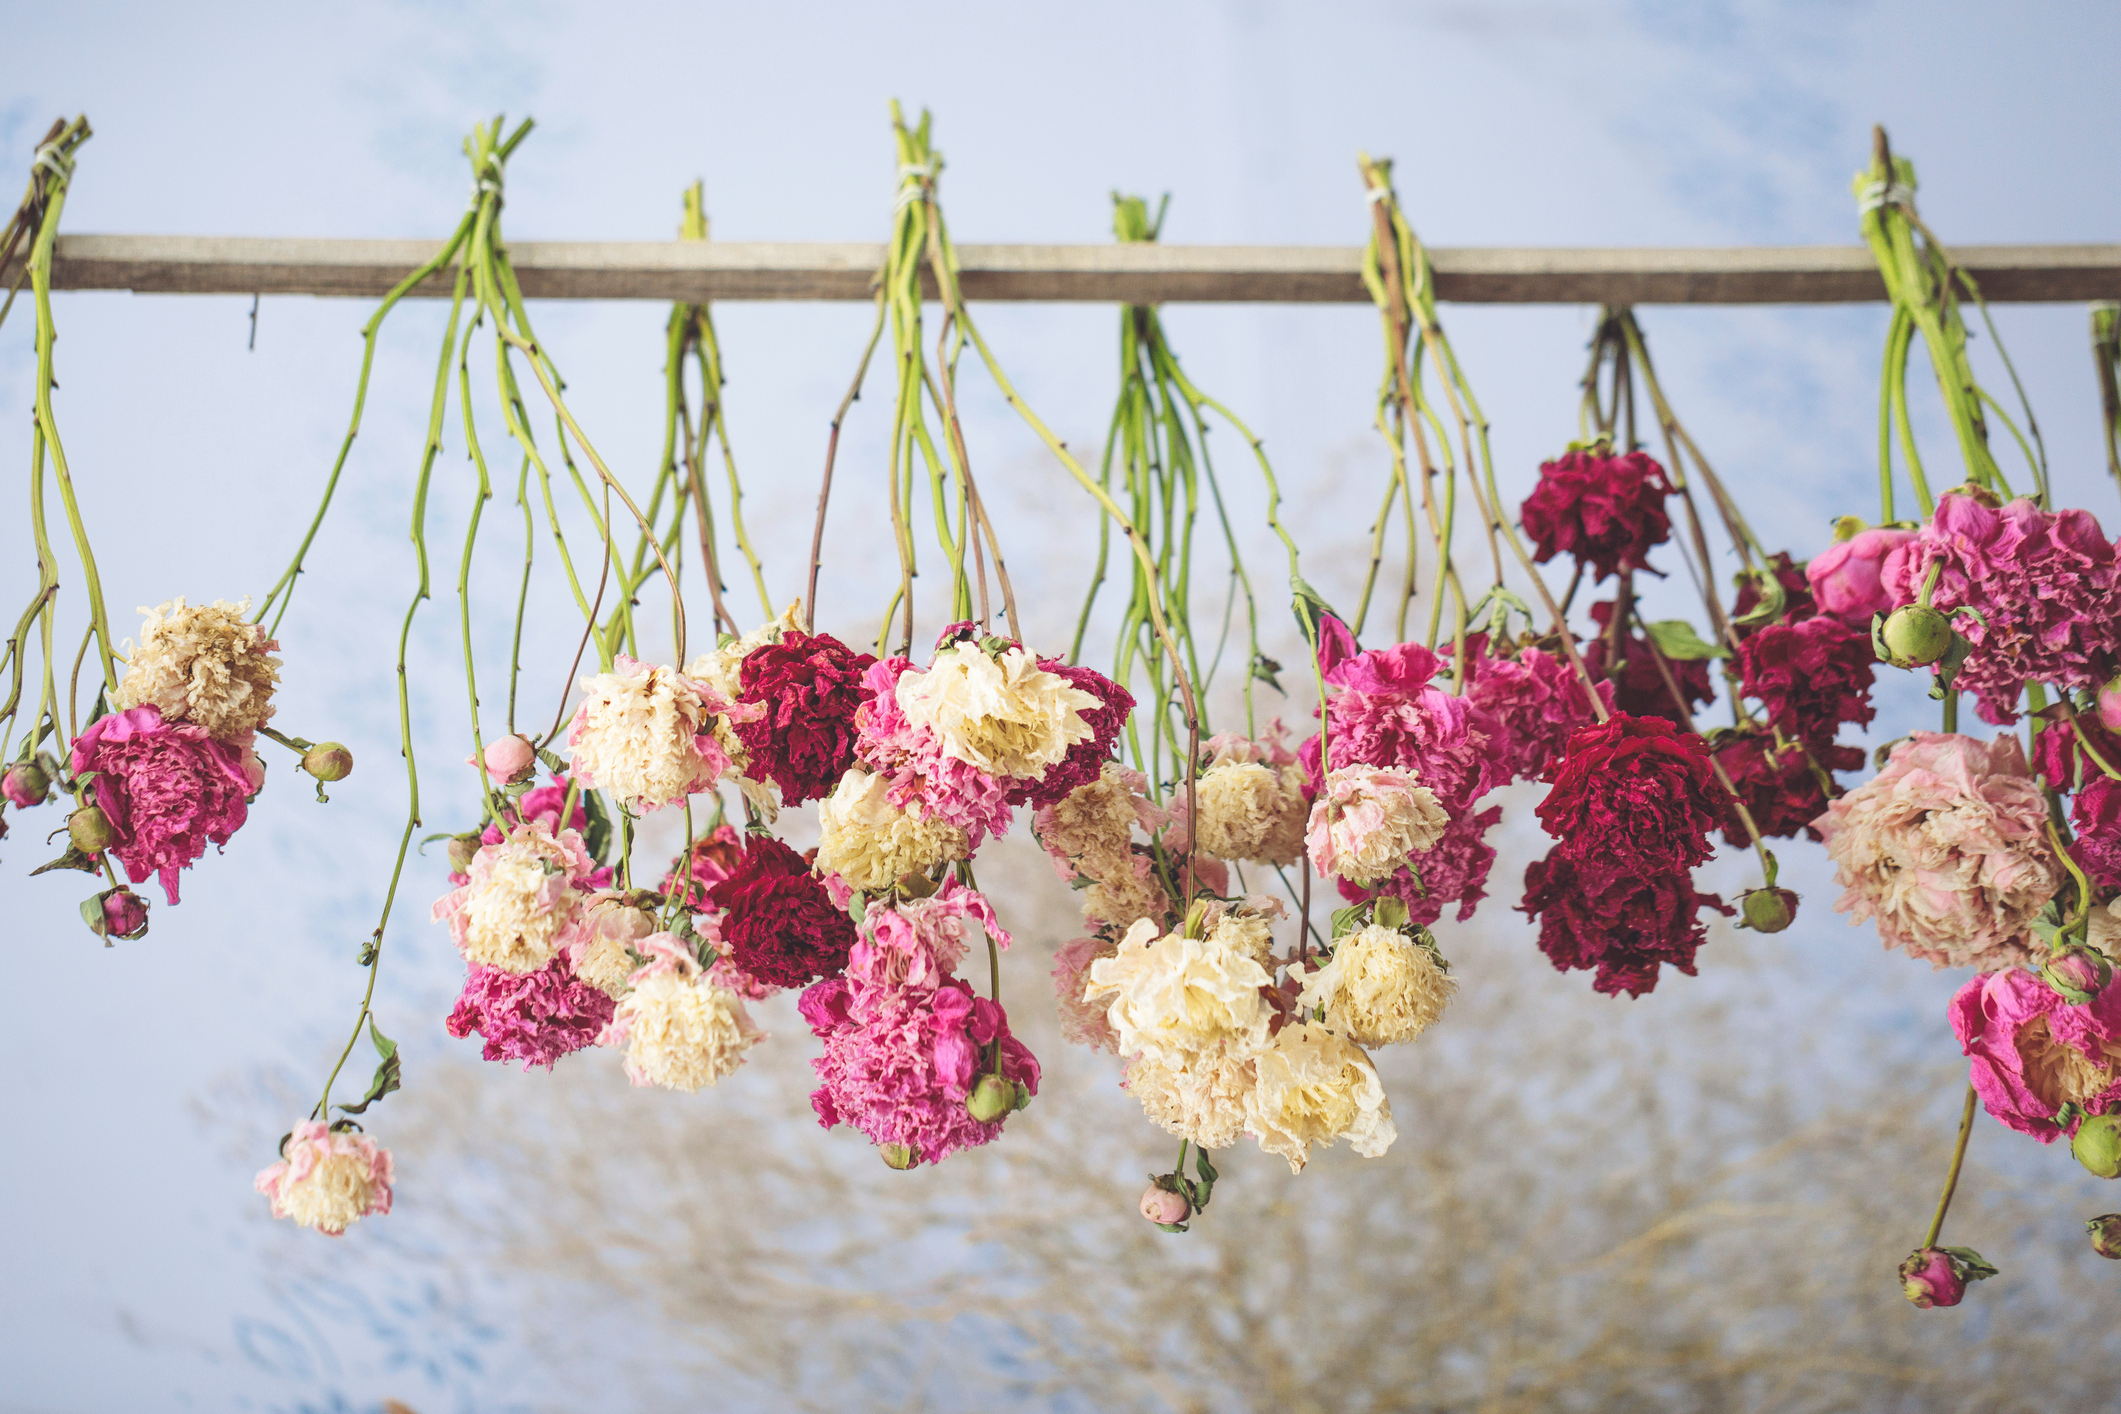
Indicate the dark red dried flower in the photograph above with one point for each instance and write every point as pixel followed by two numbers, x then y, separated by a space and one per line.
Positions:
pixel 778 920
pixel 1635 794
pixel 1604 510
pixel 1810 676
pixel 1780 788
pixel 807 686
pixel 1797 602
pixel 1640 689
pixel 1086 759
pixel 2058 755
pixel 714 857
pixel 1624 924
pixel 534 1017
pixel 2095 814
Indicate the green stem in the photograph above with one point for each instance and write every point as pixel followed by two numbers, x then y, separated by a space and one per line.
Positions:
pixel 1951 1177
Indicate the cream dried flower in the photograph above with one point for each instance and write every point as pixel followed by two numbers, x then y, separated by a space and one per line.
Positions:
pixel 1006 716
pixel 1382 987
pixel 1368 821
pixel 1129 892
pixel 327 1180
pixel 1316 1087
pixel 519 899
pixel 1202 1100
pixel 1093 825
pixel 208 665
pixel 870 843
pixel 2103 928
pixel 680 1030
pixel 646 734
pixel 606 940
pixel 1175 996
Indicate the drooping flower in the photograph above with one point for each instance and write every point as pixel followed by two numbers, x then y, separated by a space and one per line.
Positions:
pixel 607 938
pixel 1388 713
pixel 1603 511
pixel 519 899
pixel 1086 758
pixel 870 843
pixel 169 789
pixel 1623 923
pixel 1635 792
pixel 207 665
pixel 1847 576
pixel 1810 676
pixel 922 772
pixel 1083 1022
pixel 679 1029
pixel 1006 715
pixel 723 669
pixel 1131 894
pixel 916 944
pixel 1381 987
pixel 1175 996
pixel 713 857
pixel 1315 1087
pixel 1947 849
pixel 1250 810
pixel 801 692
pixel 1535 699
pixel 780 924
pixel 532 1017
pixel 328 1180
pixel 1093 825
pixel 1368 821
pixel 1639 687
pixel 1202 1099
pixel 1778 783
pixel 2031 1052
pixel 646 734
pixel 2047 585
pixel 1452 870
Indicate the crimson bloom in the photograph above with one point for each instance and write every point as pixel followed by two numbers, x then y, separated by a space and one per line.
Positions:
pixel 169 790
pixel 1636 793
pixel 800 732
pixel 779 923
pixel 1778 785
pixel 1086 759
pixel 1603 510
pixel 1623 923
pixel 1810 676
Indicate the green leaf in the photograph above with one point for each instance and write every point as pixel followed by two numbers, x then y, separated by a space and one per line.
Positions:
pixel 72 859
pixel 1346 920
pixel 1675 638
pixel 1773 598
pixel 1265 669
pixel 1311 607
pixel 1206 1187
pixel 1972 1265
pixel 552 762
pixel 388 1074
pixel 597 838
pixel 1948 666
pixel 92 915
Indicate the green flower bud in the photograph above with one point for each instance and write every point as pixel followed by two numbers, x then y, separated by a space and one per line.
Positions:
pixel 1915 636
pixel 328 761
pixel 91 830
pixel 1767 910
pixel 992 1098
pixel 898 1156
pixel 2106 1235
pixel 2098 1145
pixel 462 849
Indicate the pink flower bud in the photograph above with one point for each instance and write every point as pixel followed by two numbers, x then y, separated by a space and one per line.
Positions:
pixel 124 914
pixel 1164 1207
pixel 1845 575
pixel 1930 1278
pixel 2110 704
pixel 328 761
pixel 26 784
pixel 510 758
pixel 2077 976
pixel 2106 1235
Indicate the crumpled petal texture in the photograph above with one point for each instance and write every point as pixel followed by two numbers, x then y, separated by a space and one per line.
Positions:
pixel 169 788
pixel 2030 1052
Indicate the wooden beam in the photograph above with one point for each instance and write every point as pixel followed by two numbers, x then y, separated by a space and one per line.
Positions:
pixel 1110 274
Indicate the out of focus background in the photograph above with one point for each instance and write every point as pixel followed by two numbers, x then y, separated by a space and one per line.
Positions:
pixel 1691 1200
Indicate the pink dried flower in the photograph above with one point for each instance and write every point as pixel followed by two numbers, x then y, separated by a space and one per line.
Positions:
pixel 921 771
pixel 714 857
pixel 1535 699
pixel 1368 821
pixel 1083 1023
pixel 1846 577
pixel 2031 1052
pixel 326 1179
pixel 914 945
pixel 169 790
pixel 1389 714
pixel 533 1017
pixel 1453 870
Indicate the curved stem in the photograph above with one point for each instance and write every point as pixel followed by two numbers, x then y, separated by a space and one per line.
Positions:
pixel 1951 1177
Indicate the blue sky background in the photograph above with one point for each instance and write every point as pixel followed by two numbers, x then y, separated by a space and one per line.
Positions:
pixel 146 1276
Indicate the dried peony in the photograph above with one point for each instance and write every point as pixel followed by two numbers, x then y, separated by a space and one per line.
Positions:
pixel 1810 676
pixel 533 1017
pixel 1846 577
pixel 1389 713
pixel 1947 849
pixel 168 788
pixel 1130 894
pixel 1639 688
pixel 1093 825
pixel 1602 510
pixel 328 1180
pixel 1368 821
pixel 2095 814
pixel 1381 987
pixel 1315 1087
pixel 780 924
pixel 1083 1022
pixel 1086 758
pixel 608 937
pixel 1635 793
pixel 916 944
pixel 870 843
pixel 209 666
pixel 2047 585
pixel 679 1029
pixel 1453 870
pixel 1779 784
pixel 921 770
pixel 1249 810
pixel 723 669
pixel 1535 699
pixel 2032 1052
pixel 519 899
pixel 1006 716
pixel 646 734
pixel 1203 1099
pixel 1624 923
pixel 1175 996
pixel 802 692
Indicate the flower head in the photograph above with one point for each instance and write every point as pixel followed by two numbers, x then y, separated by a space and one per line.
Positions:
pixel 1603 511
pixel 1087 757
pixel 1251 810
pixel 646 734
pixel 1381 987
pixel 870 843
pixel 1623 922
pixel 1636 792
pixel 780 924
pixel 1175 996
pixel 1368 821
pixel 519 899
pixel 2030 1052
pixel 168 788
pixel 606 939
pixel 1846 577
pixel 713 857
pixel 1536 701
pixel 1315 1087
pixel 1452 870
pixel 328 1180
pixel 2095 815
pixel 209 666
pixel 802 692
pixel 532 1017
pixel 1389 713
pixel 1947 849
pixel 915 944
pixel 1810 676
pixel 1203 1097
pixel 1778 784
pixel 921 770
pixel 679 1029
pixel 1005 715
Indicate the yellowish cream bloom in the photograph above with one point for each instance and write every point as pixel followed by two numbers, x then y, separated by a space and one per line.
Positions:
pixel 1129 893
pixel 1315 1087
pixel 208 665
pixel 1174 997
pixel 1369 820
pixel 638 735
pixel 1008 717
pixel 680 1030
pixel 1202 1100
pixel 870 843
pixel 1252 810
pixel 1381 987
pixel 515 911
pixel 602 953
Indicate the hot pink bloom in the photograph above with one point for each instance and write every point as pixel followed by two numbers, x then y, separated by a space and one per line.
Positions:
pixel 2046 582
pixel 2032 1052
pixel 1389 714
pixel 2095 814
pixel 1453 870
pixel 533 1017
pixel 1846 576
pixel 1930 1278
pixel 169 790
pixel 1535 699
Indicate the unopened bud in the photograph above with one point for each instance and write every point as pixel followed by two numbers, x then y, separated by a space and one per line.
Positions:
pixel 1929 1278
pixel 1767 910
pixel 1915 636
pixel 124 914
pixel 328 761
pixel 2097 1145
pixel 2106 1235
pixel 1165 1207
pixel 90 829
pixel 2109 704
pixel 511 759
pixel 992 1098
pixel 2077 976
pixel 898 1156
pixel 26 784
pixel 462 849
